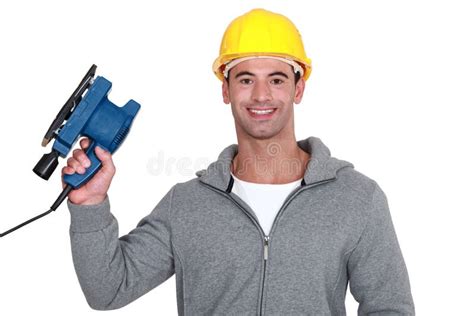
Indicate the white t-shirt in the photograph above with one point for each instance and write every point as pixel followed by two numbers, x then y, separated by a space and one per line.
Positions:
pixel 264 199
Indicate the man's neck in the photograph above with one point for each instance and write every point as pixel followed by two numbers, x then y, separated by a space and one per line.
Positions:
pixel 272 161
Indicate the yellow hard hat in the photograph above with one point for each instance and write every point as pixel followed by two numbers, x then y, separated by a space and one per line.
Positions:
pixel 261 33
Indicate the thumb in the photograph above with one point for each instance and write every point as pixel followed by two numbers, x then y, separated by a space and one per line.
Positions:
pixel 105 158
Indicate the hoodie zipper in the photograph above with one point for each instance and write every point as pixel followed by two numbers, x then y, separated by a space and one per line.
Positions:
pixel 266 239
pixel 265 258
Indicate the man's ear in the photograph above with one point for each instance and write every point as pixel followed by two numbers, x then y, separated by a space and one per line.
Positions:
pixel 299 90
pixel 225 91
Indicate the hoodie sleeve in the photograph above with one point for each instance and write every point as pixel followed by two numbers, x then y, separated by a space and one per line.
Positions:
pixel 115 271
pixel 378 276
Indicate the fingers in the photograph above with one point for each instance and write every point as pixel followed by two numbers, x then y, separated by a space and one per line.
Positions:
pixel 68 170
pixel 77 163
pixel 96 189
pixel 81 157
pixel 84 143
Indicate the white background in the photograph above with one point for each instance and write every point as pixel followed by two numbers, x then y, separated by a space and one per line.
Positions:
pixel 391 91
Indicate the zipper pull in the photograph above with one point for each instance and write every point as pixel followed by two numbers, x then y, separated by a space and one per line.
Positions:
pixel 265 248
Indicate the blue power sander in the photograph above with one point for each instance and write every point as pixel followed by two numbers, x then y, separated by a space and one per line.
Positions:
pixel 88 113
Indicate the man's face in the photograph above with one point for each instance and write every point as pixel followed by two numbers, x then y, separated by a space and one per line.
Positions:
pixel 262 92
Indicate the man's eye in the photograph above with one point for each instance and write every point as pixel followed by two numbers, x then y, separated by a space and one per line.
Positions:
pixel 277 81
pixel 246 81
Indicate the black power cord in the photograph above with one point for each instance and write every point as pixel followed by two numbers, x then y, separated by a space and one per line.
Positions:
pixel 55 205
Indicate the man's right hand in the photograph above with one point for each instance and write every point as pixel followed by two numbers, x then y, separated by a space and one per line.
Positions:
pixel 94 191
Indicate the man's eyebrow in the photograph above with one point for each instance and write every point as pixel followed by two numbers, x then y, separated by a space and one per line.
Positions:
pixel 278 73
pixel 243 73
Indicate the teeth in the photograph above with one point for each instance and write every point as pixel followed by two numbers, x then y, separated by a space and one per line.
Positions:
pixel 260 112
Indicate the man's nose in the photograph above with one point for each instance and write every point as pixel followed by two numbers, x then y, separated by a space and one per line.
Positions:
pixel 261 92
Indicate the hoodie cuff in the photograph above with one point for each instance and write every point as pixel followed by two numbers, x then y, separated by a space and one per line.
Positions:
pixel 90 218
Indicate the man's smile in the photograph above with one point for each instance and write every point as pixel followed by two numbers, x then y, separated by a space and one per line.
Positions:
pixel 262 112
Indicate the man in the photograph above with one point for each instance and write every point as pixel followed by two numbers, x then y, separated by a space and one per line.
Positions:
pixel 274 226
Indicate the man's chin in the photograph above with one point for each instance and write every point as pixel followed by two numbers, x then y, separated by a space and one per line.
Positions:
pixel 262 135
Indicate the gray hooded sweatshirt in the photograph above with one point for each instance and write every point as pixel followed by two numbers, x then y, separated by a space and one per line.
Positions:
pixel 333 230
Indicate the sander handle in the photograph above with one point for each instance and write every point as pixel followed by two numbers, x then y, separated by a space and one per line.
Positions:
pixel 77 180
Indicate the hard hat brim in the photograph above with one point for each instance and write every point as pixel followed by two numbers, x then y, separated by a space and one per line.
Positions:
pixel 220 62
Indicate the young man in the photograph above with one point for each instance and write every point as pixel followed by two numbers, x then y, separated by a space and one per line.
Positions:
pixel 274 226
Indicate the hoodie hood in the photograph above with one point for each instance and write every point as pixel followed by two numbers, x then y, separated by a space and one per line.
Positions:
pixel 321 165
